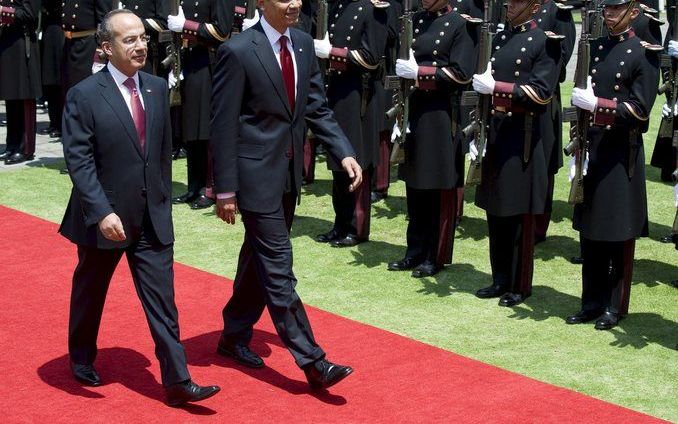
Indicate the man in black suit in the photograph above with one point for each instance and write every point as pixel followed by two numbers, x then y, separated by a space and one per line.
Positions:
pixel 117 145
pixel 267 90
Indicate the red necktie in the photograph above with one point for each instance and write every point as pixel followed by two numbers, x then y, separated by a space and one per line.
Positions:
pixel 138 114
pixel 287 70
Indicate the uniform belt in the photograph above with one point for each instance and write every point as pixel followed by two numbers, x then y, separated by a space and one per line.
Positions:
pixel 79 34
pixel 510 109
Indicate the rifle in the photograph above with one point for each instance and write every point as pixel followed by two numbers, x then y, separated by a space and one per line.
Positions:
pixel 669 88
pixel 321 30
pixel 480 116
pixel 579 126
pixel 402 88
pixel 173 58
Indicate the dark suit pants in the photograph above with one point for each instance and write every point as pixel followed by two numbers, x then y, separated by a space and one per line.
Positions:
pixel 430 230
pixel 606 274
pixel 265 279
pixel 511 251
pixel 352 209
pixel 21 126
pixel 151 265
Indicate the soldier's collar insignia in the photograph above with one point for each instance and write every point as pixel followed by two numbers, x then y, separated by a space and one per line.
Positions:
pixel 623 36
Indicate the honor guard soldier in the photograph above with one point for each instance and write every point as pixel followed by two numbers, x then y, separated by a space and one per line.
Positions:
pixel 51 54
pixel 647 25
pixel 153 14
pixel 79 20
pixel 621 91
pixel 204 25
pixel 19 76
pixel 555 17
pixel 354 47
pixel 521 78
pixel 444 47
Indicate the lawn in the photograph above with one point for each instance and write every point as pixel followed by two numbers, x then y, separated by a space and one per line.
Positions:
pixel 633 365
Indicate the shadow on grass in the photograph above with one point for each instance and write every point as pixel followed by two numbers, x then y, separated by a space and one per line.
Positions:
pixel 309 226
pixel 52 163
pixel 201 352
pixel 472 228
pixel 375 253
pixel 653 273
pixel 457 277
pixel 556 247
pixel 546 302
pixel 389 208
pixel 642 329
pixel 318 188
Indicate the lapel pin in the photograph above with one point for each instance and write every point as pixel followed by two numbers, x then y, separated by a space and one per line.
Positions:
pixel 300 50
pixel 148 90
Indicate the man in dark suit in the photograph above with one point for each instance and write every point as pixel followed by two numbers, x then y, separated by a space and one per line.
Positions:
pixel 267 90
pixel 117 145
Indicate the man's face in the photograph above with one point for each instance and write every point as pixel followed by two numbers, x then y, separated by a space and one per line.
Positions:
pixel 281 14
pixel 519 12
pixel 616 18
pixel 128 49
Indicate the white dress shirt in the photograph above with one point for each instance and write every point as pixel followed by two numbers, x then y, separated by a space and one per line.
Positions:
pixel 274 38
pixel 120 79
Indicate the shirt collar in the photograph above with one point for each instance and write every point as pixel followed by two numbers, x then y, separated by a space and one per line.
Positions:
pixel 272 34
pixel 119 77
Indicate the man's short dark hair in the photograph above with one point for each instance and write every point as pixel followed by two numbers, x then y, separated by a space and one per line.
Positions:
pixel 104 31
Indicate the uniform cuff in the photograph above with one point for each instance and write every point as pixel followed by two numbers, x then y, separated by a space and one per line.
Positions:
pixel 426 77
pixel 7 15
pixel 503 94
pixel 227 195
pixel 338 58
pixel 190 30
pixel 605 112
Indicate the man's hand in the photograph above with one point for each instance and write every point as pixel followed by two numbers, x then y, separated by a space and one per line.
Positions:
pixel 584 98
pixel 484 83
pixel 408 69
pixel 322 47
pixel 354 170
pixel 249 23
pixel 227 209
pixel 172 80
pixel 176 22
pixel 111 228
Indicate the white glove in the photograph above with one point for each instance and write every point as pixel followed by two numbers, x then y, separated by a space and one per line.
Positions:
pixel 573 168
pixel 120 6
pixel 484 83
pixel 666 110
pixel 395 133
pixel 673 48
pixel 249 23
pixel 473 150
pixel 585 99
pixel 176 22
pixel 500 27
pixel 172 80
pixel 675 191
pixel 407 68
pixel 97 66
pixel 322 47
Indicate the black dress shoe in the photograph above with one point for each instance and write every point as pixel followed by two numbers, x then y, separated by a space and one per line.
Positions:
pixel 511 299
pixel 607 320
pixel 328 236
pixel 576 260
pixel 3 123
pixel 667 238
pixel 187 197
pixel 55 134
pixel 86 374
pixel 46 131
pixel 404 264
pixel 241 353
pixel 585 315
pixel 322 374
pixel 7 153
pixel 377 196
pixel 17 157
pixel 426 269
pixel 202 202
pixel 187 391
pixel 347 241
pixel 179 154
pixel 674 283
pixel 491 291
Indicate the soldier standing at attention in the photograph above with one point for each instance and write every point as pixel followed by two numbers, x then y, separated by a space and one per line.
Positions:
pixel 443 63
pixel 521 77
pixel 624 73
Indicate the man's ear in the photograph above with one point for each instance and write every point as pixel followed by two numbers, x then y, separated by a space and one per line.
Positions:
pixel 634 13
pixel 106 47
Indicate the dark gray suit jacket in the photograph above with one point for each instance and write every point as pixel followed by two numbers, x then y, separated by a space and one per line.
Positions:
pixel 253 125
pixel 109 171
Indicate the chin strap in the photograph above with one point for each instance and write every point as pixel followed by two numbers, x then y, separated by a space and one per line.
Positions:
pixel 527 7
pixel 629 8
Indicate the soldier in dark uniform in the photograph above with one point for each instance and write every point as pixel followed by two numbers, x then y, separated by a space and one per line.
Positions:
pixel 555 17
pixel 51 49
pixel 79 20
pixel 153 14
pixel 522 80
pixel 204 25
pixel 444 45
pixel 356 42
pixel 19 76
pixel 622 88
pixel 647 24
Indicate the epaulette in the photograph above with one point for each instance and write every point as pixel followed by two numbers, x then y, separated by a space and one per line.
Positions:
pixel 651 47
pixel 647 9
pixel 553 36
pixel 563 6
pixel 471 19
pixel 657 20
pixel 380 4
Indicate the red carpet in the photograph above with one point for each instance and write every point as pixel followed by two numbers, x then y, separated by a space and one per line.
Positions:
pixel 396 379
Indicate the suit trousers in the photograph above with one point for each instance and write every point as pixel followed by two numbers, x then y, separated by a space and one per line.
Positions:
pixel 511 251
pixel 265 279
pixel 606 274
pixel 151 264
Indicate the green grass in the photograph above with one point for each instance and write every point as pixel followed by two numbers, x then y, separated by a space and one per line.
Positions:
pixel 633 365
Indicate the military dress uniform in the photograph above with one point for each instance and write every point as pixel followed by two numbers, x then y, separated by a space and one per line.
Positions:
pixel 647 25
pixel 555 17
pixel 444 46
pixel 624 72
pixel 153 14
pixel 19 75
pixel 357 33
pixel 526 66
pixel 79 21
pixel 51 54
pixel 208 24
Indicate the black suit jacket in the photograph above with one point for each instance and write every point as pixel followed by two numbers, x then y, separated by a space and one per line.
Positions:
pixel 253 125
pixel 109 171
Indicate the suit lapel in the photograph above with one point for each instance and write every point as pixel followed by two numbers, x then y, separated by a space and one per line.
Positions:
pixel 301 58
pixel 265 54
pixel 149 108
pixel 112 95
